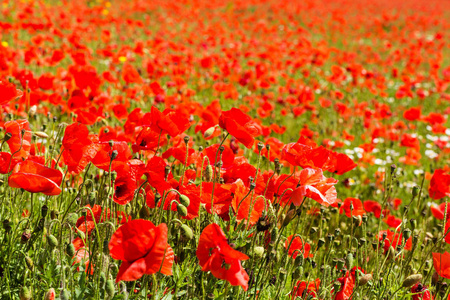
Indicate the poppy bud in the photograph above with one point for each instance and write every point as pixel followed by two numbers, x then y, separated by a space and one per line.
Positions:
pixel 64 295
pixel 44 210
pixel 411 280
pixel 29 263
pixel 81 234
pixel 274 234
pixel 330 238
pixel 41 134
pixel 435 278
pixel 72 218
pixel 185 200
pixel 113 268
pixel 349 261
pixel 7 136
pixel 415 191
pixel 365 279
pixel 70 249
pixel 102 279
pixel 182 210
pixel 144 212
pixel 298 261
pixel 50 295
pixel 26 235
pixel 258 252
pixel 25 293
pixel 289 216
pixel 186 139
pixel 187 232
pixel 53 214
pixel 109 288
pixel 52 241
pixel 209 132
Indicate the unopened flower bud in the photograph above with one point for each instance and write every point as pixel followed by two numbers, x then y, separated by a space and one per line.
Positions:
pixel 29 263
pixel 365 279
pixel 70 249
pixel 52 241
pixel 182 210
pixel 411 280
pixel 25 293
pixel 109 288
pixel 185 200
pixel 209 132
pixel 187 232
pixel 50 295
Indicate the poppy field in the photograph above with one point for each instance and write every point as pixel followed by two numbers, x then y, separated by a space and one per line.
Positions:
pixel 206 149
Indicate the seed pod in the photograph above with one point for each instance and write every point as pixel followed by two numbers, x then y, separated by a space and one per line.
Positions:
pixel 187 232
pixel 208 173
pixel 52 241
pixel 185 200
pixel 70 249
pixel 109 288
pixel 365 279
pixel 320 243
pixel 50 295
pixel 182 210
pixel 25 293
pixel 411 280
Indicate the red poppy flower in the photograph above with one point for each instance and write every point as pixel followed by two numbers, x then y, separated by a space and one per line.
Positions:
pixel 79 147
pixel 314 185
pixel 441 264
pixel 239 125
pixel 438 211
pixel 421 292
pixel 373 207
pixel 36 178
pixel 8 92
pixel 20 141
pixel 356 210
pixel 170 121
pixel 393 239
pixel 439 184
pixel 347 285
pixel 295 246
pixel 142 247
pixel 303 289
pixel 215 255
